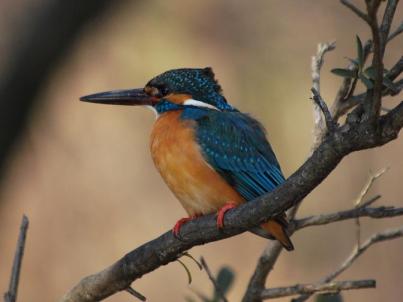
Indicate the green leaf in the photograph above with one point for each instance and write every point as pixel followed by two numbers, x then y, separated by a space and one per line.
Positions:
pixel 345 73
pixel 354 61
pixel 370 72
pixel 225 278
pixel 329 298
pixel 367 82
pixel 360 52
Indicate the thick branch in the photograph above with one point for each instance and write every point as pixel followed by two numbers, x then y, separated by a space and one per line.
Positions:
pixel 331 287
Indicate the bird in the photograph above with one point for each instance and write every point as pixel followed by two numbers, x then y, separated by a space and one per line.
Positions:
pixel 212 156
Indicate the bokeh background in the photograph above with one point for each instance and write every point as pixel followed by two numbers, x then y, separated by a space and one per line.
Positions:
pixel 83 173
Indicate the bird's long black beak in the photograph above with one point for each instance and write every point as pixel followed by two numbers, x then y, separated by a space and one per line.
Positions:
pixel 121 97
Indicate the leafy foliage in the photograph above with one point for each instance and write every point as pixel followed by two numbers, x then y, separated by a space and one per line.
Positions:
pixel 224 280
pixel 359 72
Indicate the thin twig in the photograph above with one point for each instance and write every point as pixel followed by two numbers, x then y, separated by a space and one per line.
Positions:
pixel 187 254
pixel 136 294
pixel 330 123
pixel 11 294
pixel 395 33
pixel 356 10
pixel 317 63
pixel 188 273
pixel 359 200
pixel 369 201
pixel 331 287
pixel 372 105
pixel 396 70
pixel 387 22
pixel 377 213
pixel 212 279
pixel 357 252
pixel 368 185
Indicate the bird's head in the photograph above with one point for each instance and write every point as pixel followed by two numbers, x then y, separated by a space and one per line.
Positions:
pixel 173 89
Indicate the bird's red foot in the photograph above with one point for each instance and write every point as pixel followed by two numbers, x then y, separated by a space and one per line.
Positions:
pixel 177 228
pixel 221 213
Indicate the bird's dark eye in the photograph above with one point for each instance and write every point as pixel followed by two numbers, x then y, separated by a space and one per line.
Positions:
pixel 157 91
pixel 163 90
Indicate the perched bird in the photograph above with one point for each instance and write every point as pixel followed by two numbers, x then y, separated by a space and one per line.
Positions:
pixel 210 155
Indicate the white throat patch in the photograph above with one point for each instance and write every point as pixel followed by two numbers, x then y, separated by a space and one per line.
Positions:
pixel 196 103
pixel 153 110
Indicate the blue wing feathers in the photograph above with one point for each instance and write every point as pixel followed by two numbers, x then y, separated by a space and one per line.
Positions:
pixel 235 145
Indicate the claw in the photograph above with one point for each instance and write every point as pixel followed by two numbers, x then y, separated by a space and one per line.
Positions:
pixel 177 228
pixel 221 213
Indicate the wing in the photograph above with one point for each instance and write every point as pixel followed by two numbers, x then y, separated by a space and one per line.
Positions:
pixel 235 145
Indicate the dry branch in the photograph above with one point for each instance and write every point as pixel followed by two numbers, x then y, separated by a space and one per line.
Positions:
pixel 357 252
pixel 356 10
pixel 271 253
pixel 330 123
pixel 331 287
pixel 316 66
pixel 11 294
pixel 380 212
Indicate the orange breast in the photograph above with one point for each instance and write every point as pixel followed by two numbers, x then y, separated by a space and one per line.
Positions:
pixel 177 156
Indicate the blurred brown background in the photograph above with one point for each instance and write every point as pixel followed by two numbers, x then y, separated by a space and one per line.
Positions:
pixel 83 173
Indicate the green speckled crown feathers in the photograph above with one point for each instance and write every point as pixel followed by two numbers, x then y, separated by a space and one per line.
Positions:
pixel 198 82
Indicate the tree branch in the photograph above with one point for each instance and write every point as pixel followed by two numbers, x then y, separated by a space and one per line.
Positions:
pixel 264 266
pixel 331 287
pixel 317 62
pixel 377 213
pixel 356 10
pixel 397 32
pixel 357 252
pixel 330 123
pixel 387 23
pixel 11 294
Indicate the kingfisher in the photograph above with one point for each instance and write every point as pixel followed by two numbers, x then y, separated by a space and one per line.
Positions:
pixel 212 156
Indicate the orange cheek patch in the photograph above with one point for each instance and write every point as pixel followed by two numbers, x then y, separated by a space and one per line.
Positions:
pixel 177 98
